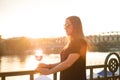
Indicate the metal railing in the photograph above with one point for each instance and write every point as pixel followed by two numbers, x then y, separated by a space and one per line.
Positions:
pixel 112 65
pixel 31 73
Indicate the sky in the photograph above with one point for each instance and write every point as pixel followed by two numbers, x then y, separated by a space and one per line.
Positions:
pixel 46 18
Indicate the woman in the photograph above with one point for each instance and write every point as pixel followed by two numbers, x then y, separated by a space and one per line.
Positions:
pixel 73 56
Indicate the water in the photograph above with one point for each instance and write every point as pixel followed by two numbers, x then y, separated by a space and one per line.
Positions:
pixel 17 63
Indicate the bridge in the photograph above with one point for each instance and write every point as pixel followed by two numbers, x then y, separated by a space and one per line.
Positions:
pixel 107 40
pixel 111 65
pixel 103 37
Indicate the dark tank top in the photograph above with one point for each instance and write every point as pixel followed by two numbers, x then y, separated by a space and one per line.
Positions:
pixel 78 70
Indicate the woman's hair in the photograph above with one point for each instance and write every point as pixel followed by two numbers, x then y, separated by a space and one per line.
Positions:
pixel 77 26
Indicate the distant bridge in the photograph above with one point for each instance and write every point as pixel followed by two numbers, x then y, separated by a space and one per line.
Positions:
pixel 110 40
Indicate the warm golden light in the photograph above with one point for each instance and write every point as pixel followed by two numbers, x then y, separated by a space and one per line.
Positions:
pixel 31 63
pixel 45 18
pixel 35 59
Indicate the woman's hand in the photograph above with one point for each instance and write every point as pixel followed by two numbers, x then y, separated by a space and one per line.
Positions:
pixel 42 65
pixel 46 68
pixel 45 71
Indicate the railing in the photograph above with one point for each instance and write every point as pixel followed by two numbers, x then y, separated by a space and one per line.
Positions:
pixel 31 73
pixel 3 75
pixel 112 65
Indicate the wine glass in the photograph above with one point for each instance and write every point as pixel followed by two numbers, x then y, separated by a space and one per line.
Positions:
pixel 38 55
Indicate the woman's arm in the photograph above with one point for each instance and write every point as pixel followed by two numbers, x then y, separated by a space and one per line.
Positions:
pixel 67 63
pixel 43 65
pixel 53 65
pixel 61 66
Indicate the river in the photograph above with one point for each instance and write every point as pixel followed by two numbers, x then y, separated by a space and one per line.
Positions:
pixel 29 62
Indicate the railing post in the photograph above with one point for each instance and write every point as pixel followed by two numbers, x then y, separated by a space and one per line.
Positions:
pixel 3 77
pixel 55 76
pixel 31 77
pixel 91 73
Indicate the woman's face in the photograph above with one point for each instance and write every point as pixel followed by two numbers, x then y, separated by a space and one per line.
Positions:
pixel 68 27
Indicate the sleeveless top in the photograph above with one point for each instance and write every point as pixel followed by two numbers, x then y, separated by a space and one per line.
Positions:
pixel 78 70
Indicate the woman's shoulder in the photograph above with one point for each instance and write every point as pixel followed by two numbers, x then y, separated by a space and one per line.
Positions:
pixel 83 41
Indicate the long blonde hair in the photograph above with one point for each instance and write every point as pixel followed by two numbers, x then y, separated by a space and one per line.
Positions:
pixel 77 27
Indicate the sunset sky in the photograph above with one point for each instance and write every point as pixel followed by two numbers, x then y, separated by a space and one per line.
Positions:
pixel 45 18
